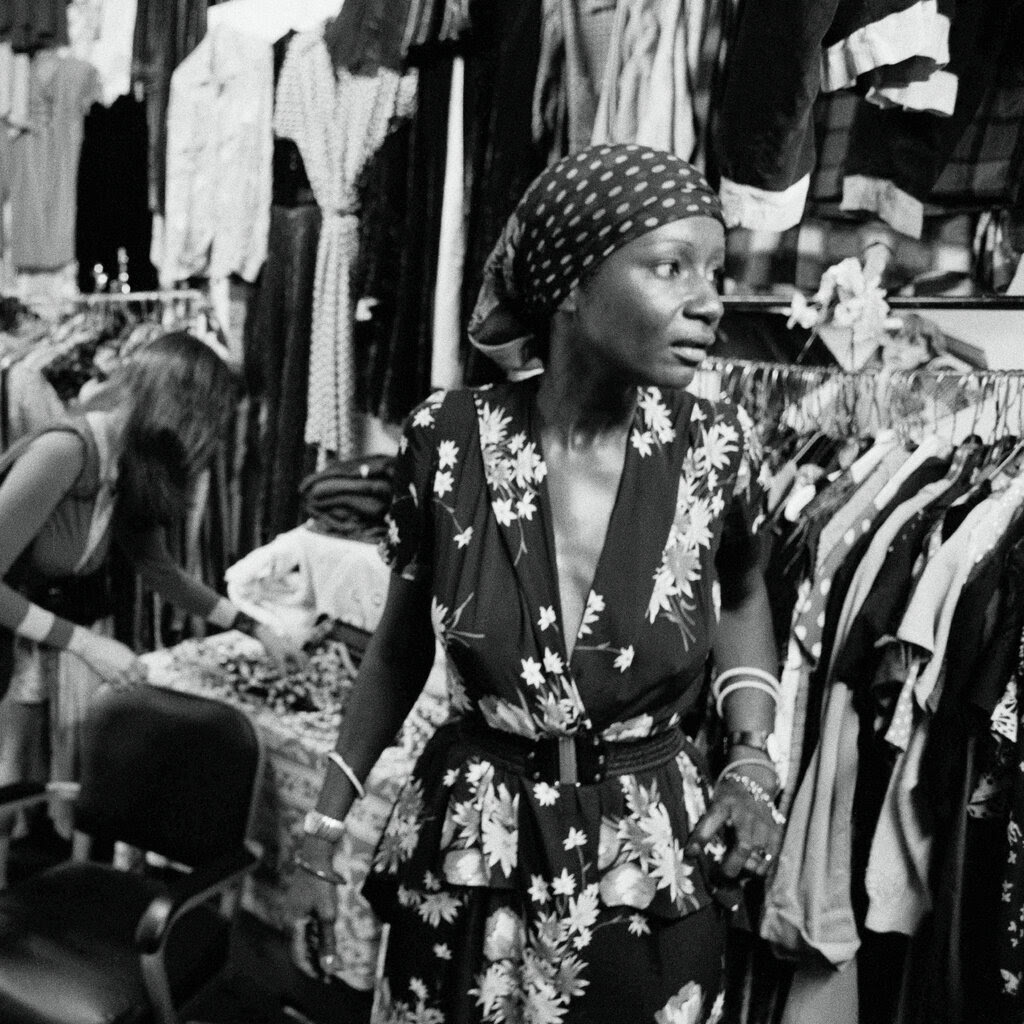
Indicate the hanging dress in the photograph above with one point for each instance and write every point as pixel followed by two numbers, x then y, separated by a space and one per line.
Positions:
pixel 338 120
pixel 512 894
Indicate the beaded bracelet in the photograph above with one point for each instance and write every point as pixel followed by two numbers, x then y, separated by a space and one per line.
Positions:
pixel 754 762
pixel 757 791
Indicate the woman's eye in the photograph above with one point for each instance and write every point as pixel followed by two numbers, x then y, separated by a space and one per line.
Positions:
pixel 668 269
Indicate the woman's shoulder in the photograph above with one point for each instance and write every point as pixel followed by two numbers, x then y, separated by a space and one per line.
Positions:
pixel 61 451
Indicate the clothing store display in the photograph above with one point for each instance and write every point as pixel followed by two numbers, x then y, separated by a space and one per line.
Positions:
pixel 45 161
pixel 637 667
pixel 338 121
pixel 219 159
pixel 902 625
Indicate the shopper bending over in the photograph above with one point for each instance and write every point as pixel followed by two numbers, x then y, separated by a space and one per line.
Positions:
pixel 557 853
pixel 122 471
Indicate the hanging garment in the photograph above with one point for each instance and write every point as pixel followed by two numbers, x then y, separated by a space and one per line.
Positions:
pixel 782 56
pixel 31 25
pixel 166 32
pixel 219 159
pixel 45 162
pixel 647 95
pixel 277 370
pixel 575 40
pixel 101 32
pixel 337 123
pixel 501 152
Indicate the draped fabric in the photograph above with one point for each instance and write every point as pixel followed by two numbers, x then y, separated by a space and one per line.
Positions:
pixel 338 120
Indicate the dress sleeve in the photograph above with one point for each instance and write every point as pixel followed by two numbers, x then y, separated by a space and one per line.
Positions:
pixel 407 546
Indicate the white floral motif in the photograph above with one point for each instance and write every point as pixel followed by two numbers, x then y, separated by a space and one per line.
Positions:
pixel 698 506
pixel 625 658
pixel 447 454
pixel 513 466
pixel 547 617
pixel 591 613
pixel 684 1007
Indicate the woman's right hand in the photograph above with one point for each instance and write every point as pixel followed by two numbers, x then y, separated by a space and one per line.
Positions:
pixel 314 889
pixel 114 661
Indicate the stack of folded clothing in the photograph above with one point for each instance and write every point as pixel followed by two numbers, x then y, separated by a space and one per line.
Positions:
pixel 350 497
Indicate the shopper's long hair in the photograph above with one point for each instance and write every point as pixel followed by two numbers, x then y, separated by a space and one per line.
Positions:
pixel 181 393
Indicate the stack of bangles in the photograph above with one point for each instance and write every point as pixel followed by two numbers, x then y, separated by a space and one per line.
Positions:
pixel 323 826
pixel 748 678
pixel 745 678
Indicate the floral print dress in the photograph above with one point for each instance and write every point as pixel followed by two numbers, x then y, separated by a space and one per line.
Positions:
pixel 512 899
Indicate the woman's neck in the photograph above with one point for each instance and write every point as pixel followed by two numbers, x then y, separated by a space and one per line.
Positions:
pixel 580 400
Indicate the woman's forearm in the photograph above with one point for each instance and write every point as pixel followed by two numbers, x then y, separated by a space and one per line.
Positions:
pixel 745 640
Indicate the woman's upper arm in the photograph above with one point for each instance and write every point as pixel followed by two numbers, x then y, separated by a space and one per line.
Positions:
pixel 404 637
pixel 33 487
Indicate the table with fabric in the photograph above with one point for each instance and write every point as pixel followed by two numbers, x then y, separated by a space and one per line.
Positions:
pixel 350 583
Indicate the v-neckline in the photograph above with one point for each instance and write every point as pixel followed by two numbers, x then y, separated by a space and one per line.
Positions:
pixel 548 522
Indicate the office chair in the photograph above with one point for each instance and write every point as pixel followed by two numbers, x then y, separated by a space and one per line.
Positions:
pixel 85 942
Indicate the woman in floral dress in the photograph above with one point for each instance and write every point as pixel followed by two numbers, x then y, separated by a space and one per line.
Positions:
pixel 559 854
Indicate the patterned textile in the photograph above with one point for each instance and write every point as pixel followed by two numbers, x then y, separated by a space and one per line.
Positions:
pixel 338 121
pixel 533 871
pixel 575 214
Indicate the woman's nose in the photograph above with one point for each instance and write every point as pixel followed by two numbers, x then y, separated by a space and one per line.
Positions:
pixel 706 304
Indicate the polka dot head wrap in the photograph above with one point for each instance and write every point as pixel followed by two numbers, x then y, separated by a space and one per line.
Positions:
pixel 573 216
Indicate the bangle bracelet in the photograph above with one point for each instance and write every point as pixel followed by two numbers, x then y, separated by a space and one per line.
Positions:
pixel 326 876
pixel 747 672
pixel 744 684
pixel 336 759
pixel 322 826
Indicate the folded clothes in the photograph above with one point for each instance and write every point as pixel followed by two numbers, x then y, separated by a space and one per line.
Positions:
pixel 331 486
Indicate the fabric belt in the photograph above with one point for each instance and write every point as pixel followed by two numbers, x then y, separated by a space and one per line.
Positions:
pixel 582 759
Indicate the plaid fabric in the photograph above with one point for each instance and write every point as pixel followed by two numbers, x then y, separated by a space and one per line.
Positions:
pixel 758 261
pixel 987 164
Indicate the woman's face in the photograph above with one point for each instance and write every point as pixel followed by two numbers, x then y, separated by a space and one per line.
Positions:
pixel 650 311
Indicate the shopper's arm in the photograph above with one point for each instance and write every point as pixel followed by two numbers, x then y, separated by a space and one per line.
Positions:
pixel 162 574
pixel 34 486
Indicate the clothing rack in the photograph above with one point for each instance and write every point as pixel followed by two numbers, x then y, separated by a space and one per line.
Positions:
pixel 953 403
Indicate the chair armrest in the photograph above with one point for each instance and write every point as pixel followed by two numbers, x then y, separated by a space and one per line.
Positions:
pixel 20 795
pixel 191 890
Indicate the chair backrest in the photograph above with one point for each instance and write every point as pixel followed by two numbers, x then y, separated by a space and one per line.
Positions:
pixel 168 772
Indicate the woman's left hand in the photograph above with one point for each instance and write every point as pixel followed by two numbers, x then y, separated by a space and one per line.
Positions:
pixel 282 650
pixel 749 825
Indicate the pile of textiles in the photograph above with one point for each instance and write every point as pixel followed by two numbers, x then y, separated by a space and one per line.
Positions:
pixel 350 497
